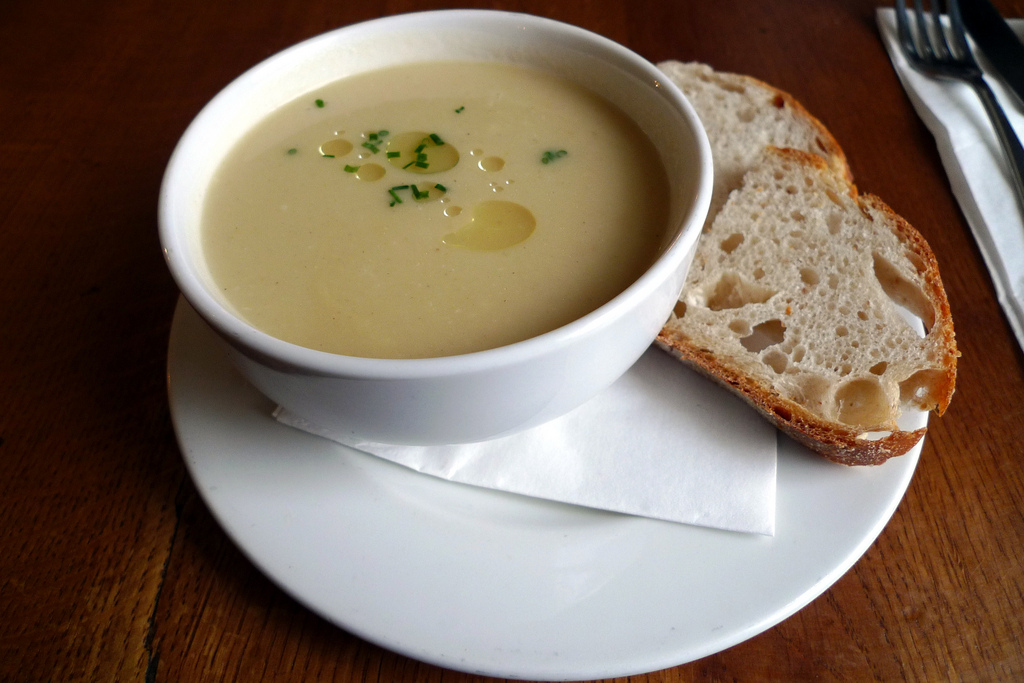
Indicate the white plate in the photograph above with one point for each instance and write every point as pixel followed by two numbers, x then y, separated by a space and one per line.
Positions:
pixel 494 583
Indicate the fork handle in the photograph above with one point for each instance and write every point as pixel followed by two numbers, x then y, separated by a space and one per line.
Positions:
pixel 1007 137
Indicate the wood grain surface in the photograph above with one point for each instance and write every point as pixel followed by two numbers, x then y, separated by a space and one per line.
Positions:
pixel 112 568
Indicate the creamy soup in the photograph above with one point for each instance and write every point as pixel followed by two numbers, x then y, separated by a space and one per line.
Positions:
pixel 433 210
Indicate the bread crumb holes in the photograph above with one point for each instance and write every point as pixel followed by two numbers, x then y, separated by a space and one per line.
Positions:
pixel 809 276
pixel 768 333
pixel 729 244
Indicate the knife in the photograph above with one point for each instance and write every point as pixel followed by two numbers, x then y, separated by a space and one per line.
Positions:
pixel 997 40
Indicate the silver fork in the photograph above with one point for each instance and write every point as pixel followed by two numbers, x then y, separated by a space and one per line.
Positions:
pixel 933 54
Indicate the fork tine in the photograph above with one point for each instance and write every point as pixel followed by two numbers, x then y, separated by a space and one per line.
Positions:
pixel 903 29
pixel 956 24
pixel 923 34
pixel 941 45
pixel 959 67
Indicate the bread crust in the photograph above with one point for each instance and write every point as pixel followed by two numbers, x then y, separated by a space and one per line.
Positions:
pixel 745 117
pixel 688 75
pixel 828 147
pixel 943 325
pixel 750 122
pixel 838 442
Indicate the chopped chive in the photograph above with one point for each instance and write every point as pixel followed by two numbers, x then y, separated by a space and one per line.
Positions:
pixel 421 164
pixel 373 137
pixel 327 156
pixel 409 164
pixel 320 104
pixel 437 140
pixel 459 110
pixel 372 147
pixel 395 199
pixel 417 194
pixel 441 187
pixel 400 187
pixel 293 151
pixel 550 156
pixel 420 149
pixel 350 168
pixel 393 155
pixel 384 133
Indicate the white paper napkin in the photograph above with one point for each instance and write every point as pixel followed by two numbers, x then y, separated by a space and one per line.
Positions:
pixel 974 161
pixel 661 442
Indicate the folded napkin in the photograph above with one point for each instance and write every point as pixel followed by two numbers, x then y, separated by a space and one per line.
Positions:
pixel 661 442
pixel 975 163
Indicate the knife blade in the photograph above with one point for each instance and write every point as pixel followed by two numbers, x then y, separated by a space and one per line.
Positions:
pixel 997 40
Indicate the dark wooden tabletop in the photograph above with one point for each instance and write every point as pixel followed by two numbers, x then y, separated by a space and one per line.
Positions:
pixel 111 566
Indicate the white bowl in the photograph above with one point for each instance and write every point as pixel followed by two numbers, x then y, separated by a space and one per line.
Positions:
pixel 475 396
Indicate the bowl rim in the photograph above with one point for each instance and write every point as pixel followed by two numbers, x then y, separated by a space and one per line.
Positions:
pixel 284 354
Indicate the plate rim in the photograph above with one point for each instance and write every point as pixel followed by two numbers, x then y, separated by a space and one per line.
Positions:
pixel 186 332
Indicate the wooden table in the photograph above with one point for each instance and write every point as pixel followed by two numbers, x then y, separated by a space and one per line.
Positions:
pixel 112 568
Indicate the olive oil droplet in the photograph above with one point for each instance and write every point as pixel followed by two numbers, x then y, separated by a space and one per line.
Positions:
pixel 491 164
pixel 419 152
pixel 338 147
pixel 370 172
pixel 494 225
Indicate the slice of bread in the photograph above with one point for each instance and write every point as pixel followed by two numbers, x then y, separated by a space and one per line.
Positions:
pixel 742 116
pixel 799 294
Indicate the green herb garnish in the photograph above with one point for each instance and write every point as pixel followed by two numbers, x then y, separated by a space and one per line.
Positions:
pixel 375 139
pixel 550 156
pixel 417 193
pixel 459 110
pixel 394 155
pixel 350 168
pixel 319 103
pixel 395 199
pixel 293 151
pixel 437 140
pixel 420 161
